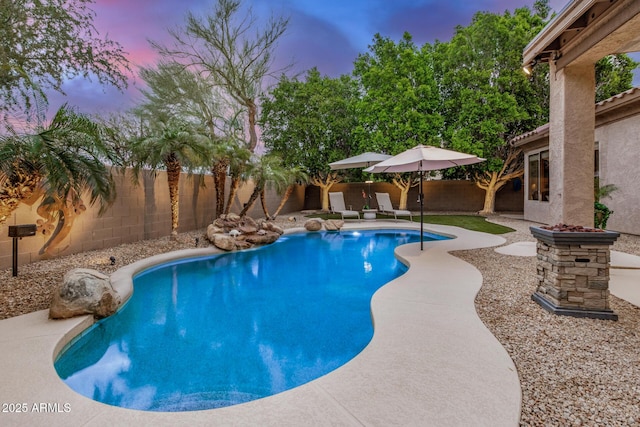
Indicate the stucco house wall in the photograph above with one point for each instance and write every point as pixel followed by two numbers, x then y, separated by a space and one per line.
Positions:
pixel 619 147
pixel 617 141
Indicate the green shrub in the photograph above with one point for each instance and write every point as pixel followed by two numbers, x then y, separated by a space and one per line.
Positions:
pixel 601 215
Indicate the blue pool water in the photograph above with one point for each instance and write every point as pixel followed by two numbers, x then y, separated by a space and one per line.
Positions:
pixel 226 329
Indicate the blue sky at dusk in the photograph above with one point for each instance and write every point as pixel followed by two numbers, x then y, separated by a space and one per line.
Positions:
pixel 328 34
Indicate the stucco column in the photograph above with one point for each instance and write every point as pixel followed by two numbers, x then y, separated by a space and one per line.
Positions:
pixel 571 144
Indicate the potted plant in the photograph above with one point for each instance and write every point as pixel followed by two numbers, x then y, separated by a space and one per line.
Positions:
pixel 366 201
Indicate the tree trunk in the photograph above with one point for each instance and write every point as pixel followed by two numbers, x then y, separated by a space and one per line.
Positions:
pixel 263 201
pixel 324 196
pixel 492 182
pixel 219 172
pixel 404 195
pixel 235 183
pixel 252 111
pixel 491 187
pixel 404 185
pixel 325 184
pixel 284 199
pixel 173 178
pixel 252 199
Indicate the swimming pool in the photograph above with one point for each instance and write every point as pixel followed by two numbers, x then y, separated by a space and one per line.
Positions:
pixel 226 329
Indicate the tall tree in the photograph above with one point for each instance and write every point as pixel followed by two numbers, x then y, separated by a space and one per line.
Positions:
pixel 309 123
pixel 399 108
pixel 487 99
pixel 174 89
pixel 173 144
pixel 226 45
pixel 47 42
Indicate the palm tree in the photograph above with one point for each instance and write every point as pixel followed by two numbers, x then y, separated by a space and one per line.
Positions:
pixel 240 167
pixel 229 157
pixel 267 170
pixel 61 161
pixel 294 175
pixel 173 143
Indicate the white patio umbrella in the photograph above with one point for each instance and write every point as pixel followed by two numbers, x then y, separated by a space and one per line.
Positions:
pixel 363 160
pixel 423 158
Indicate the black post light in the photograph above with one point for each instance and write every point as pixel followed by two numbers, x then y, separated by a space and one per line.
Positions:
pixel 17 232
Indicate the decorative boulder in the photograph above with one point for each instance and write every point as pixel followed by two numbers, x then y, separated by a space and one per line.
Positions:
pixel 84 291
pixel 232 232
pixel 228 222
pixel 212 230
pixel 248 229
pixel 224 242
pixel 264 238
pixel 269 226
pixel 313 225
pixel 333 224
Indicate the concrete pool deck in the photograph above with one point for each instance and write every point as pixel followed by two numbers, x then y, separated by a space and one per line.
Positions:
pixel 431 360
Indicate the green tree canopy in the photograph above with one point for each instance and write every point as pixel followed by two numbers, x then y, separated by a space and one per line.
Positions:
pixel 399 107
pixel 614 74
pixel 308 123
pixel 487 98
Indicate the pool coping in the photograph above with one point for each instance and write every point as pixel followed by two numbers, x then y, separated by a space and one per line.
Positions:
pixel 431 359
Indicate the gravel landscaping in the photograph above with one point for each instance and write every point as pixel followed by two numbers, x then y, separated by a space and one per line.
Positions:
pixel 581 372
pixel 573 372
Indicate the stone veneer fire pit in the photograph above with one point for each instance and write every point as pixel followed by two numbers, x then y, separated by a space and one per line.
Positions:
pixel 573 270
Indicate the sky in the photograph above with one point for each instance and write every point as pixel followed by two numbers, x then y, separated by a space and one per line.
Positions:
pixel 327 34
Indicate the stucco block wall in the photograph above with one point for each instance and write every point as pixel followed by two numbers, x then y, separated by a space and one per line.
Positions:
pixel 139 212
pixel 441 195
pixel 619 145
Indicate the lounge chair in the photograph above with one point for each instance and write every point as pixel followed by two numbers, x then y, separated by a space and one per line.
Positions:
pixel 337 206
pixel 385 206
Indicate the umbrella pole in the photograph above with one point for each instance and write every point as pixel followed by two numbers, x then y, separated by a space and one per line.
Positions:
pixel 421 214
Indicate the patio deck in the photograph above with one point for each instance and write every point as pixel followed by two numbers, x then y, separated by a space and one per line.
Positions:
pixel 431 361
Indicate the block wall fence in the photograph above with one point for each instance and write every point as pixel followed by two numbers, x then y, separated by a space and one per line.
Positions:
pixel 142 211
pixel 439 195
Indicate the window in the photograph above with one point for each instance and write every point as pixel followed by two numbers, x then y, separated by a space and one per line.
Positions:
pixel 539 176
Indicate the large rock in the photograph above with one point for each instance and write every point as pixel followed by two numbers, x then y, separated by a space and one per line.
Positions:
pixel 262 238
pixel 84 291
pixel 224 242
pixel 269 226
pixel 232 232
pixel 313 225
pixel 333 224
pixel 228 222
pixel 212 230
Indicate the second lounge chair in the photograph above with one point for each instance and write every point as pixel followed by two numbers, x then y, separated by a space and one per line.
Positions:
pixel 337 206
pixel 385 206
